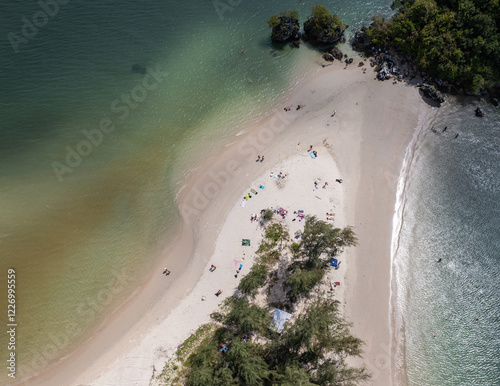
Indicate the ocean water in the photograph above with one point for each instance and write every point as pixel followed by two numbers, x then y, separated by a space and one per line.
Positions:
pixel 446 250
pixel 92 153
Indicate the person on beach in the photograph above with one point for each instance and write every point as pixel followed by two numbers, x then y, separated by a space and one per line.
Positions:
pixel 212 268
pixel 310 148
pixel 262 159
pixel 325 185
pixel 440 259
pixel 218 293
pixel 339 180
pixel 167 271
pixel 445 128
pixel 335 112
pixel 315 184
pixel 258 159
pixel 456 136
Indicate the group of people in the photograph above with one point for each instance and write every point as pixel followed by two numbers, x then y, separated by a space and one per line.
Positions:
pixel 288 108
pixel 259 159
pixel 254 218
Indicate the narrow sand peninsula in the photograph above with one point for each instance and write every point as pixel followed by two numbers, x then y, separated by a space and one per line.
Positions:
pixel 363 143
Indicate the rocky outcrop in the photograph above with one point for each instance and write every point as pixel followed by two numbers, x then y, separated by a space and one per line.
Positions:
pixel 286 30
pixel 479 112
pixel 361 42
pixel 323 28
pixel 431 92
pixel 323 35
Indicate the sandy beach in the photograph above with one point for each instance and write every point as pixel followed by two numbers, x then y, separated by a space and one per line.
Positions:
pixel 364 144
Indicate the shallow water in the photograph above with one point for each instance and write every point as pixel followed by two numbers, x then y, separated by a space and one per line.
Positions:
pixel 92 152
pixel 451 212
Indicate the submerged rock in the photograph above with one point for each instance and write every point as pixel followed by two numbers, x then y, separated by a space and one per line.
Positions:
pixel 138 69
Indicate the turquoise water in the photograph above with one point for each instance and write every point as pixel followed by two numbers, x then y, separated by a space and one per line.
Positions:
pixel 451 212
pixel 92 152
pixel 81 235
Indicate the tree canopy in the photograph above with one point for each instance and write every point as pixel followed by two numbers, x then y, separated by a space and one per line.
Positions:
pixel 240 348
pixel 455 40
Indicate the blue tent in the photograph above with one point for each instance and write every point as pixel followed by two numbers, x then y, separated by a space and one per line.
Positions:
pixel 279 320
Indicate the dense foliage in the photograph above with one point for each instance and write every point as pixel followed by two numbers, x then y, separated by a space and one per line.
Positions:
pixel 456 40
pixel 241 349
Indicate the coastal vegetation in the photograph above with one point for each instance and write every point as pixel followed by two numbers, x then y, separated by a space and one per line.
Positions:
pixel 322 27
pixel 457 41
pixel 285 27
pixel 241 346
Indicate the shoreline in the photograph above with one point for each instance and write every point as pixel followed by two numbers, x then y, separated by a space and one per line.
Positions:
pixel 223 176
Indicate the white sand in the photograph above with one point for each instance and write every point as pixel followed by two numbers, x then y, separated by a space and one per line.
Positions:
pixel 367 139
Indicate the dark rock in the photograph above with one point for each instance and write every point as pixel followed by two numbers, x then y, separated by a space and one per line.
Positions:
pixel 431 92
pixel 361 41
pixel 494 101
pixel 319 34
pixel 328 57
pixel 350 60
pixel 361 64
pixel 336 53
pixel 479 112
pixel 295 43
pixel 138 69
pixel 287 29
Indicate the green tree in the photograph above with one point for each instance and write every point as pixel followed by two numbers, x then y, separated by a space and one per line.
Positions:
pixel 254 280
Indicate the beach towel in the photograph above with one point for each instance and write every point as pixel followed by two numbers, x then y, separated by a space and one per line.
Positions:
pixel 243 203
pixel 261 187
pixel 312 155
pixel 241 266
pixel 245 242
pixel 254 191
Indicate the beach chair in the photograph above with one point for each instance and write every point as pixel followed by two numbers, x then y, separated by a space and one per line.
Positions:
pixel 245 242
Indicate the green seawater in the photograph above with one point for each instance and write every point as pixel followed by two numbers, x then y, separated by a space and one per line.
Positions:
pixel 91 152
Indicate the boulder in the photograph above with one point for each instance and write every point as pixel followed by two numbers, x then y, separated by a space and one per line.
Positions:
pixel 361 41
pixel 479 112
pixel 431 92
pixel 494 101
pixel 287 29
pixel 328 57
pixel 336 53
